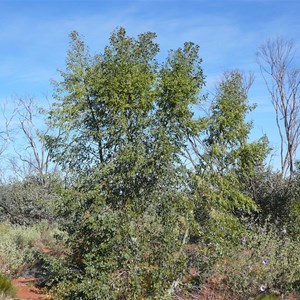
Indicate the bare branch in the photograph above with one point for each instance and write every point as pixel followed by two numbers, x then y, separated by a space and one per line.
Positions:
pixel 31 147
pixel 282 79
pixel 5 132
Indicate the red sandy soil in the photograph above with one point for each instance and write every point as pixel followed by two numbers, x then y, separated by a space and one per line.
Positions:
pixel 27 291
pixel 25 287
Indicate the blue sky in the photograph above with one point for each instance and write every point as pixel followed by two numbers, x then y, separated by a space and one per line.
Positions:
pixel 34 38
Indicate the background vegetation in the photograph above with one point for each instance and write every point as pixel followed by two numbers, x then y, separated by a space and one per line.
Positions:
pixel 128 192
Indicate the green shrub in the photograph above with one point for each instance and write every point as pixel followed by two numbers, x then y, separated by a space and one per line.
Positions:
pixel 28 201
pixel 267 297
pixel 264 261
pixel 6 286
pixel 18 247
pixel 294 220
pixel 124 254
pixel 223 232
pixel 24 237
pixel 4 228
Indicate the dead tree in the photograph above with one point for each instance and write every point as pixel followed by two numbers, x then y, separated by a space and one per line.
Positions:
pixel 282 78
pixel 5 128
pixel 33 157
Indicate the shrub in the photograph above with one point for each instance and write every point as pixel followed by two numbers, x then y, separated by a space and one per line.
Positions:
pixel 28 201
pixel 265 261
pixel 6 286
pixel 125 253
pixel 223 232
pixel 18 247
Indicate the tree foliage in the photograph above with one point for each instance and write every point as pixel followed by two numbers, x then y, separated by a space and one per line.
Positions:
pixel 135 220
pixel 125 119
pixel 225 160
pixel 124 97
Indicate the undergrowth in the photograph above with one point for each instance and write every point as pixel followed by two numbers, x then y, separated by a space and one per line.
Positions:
pixel 19 245
pixel 6 287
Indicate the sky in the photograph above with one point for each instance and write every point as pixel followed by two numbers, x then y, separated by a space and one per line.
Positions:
pixel 34 39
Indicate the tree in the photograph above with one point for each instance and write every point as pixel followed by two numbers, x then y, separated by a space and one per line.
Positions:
pixel 225 165
pixel 125 120
pixel 23 137
pixel 6 130
pixel 282 78
pixel 122 107
pixel 224 159
pixel 29 183
pixel 29 144
pixel 118 96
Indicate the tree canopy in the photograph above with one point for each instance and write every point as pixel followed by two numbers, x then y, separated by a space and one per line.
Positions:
pixel 125 119
pixel 135 220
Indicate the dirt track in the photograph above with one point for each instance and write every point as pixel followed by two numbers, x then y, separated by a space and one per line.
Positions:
pixel 26 290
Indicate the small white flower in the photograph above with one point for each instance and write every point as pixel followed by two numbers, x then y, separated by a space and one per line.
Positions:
pixel 243 240
pixel 262 288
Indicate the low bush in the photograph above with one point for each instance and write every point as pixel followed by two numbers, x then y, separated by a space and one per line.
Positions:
pixel 28 201
pixel 18 247
pixel 6 287
pixel 266 261
pixel 124 253
pixel 15 250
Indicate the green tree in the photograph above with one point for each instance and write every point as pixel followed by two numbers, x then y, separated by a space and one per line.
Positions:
pixel 226 160
pixel 123 106
pixel 125 120
pixel 226 164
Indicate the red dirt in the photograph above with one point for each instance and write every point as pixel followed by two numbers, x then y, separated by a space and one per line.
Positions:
pixel 27 291
pixel 25 287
